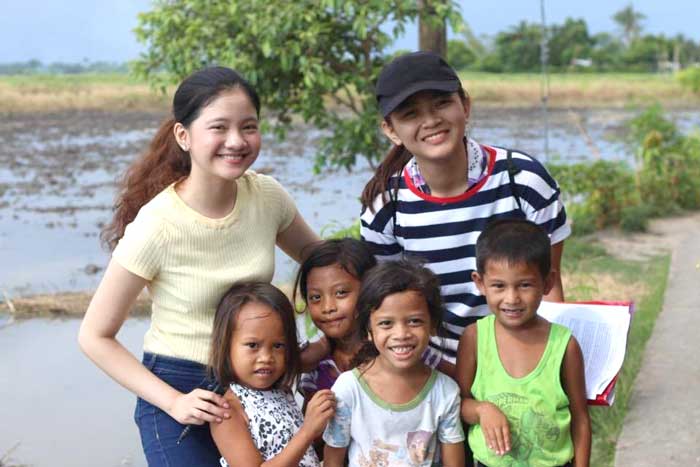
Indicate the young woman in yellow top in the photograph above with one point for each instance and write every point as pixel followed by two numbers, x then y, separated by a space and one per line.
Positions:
pixel 190 220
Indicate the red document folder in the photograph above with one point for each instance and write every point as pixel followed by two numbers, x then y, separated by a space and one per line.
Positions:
pixel 601 329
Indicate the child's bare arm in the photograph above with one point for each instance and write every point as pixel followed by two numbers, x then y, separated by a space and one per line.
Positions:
pixel 574 383
pixel 312 355
pixel 233 439
pixel 333 457
pixel 452 454
pixel 494 423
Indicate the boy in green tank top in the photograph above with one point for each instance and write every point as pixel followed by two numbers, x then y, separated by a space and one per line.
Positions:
pixel 521 377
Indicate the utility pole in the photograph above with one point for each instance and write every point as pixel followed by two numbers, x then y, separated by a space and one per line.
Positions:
pixel 544 86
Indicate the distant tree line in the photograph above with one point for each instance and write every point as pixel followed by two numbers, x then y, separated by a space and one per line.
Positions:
pixel 33 67
pixel 572 47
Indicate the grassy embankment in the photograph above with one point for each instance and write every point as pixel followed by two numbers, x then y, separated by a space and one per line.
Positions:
pixel 120 92
pixel 47 93
pixel 591 274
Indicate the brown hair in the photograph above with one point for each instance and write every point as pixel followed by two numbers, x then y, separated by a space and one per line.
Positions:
pixel 164 162
pixel 397 157
pixel 220 364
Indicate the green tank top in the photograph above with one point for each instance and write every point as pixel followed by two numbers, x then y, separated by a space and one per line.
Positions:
pixel 536 405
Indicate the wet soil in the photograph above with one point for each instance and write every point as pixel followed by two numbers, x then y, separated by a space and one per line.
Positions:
pixel 58 175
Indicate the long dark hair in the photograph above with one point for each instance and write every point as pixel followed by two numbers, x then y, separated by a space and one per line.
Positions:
pixel 164 162
pixel 388 278
pixel 397 157
pixel 220 364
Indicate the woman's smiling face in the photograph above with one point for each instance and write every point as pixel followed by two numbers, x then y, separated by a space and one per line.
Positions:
pixel 224 140
pixel 430 125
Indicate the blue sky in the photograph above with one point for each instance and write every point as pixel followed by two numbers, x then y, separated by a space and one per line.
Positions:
pixel 72 30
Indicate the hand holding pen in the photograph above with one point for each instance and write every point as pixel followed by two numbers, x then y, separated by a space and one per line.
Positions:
pixel 198 407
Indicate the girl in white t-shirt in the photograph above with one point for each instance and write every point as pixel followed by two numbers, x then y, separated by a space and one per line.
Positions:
pixel 393 409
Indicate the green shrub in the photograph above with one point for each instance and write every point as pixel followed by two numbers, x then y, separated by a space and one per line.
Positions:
pixel 690 79
pixel 595 193
pixel 459 55
pixel 669 163
pixel 635 218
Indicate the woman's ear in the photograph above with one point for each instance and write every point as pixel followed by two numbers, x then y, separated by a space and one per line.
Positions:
pixel 182 136
pixel 389 132
pixel 467 107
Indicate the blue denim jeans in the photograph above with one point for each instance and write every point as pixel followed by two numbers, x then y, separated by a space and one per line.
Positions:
pixel 159 431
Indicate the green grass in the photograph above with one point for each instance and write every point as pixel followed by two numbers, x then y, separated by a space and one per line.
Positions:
pixel 585 260
pixel 577 89
pixel 61 81
pixel 30 93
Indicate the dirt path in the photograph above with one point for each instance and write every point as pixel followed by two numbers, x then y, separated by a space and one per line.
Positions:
pixel 662 426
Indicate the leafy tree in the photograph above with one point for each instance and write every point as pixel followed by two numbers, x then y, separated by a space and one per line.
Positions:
pixel 518 49
pixel 316 59
pixel 478 48
pixel 630 21
pixel 607 52
pixel 432 32
pixel 569 41
pixel 459 55
pixel 644 53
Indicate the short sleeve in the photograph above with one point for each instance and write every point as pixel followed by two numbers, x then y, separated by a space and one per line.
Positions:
pixel 308 384
pixel 337 433
pixel 377 230
pixel 450 425
pixel 281 203
pixel 141 248
pixel 541 198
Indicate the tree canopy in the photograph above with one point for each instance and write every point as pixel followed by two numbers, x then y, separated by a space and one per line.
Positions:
pixel 630 21
pixel 316 59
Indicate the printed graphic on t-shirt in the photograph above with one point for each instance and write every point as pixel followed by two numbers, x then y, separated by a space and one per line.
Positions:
pixel 529 428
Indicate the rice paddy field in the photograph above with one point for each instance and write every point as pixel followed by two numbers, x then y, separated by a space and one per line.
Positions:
pixel 42 93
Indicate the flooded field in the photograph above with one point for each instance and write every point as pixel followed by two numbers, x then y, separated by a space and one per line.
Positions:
pixel 58 171
pixel 57 182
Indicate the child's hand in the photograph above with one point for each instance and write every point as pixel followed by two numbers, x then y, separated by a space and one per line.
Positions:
pixel 198 407
pixel 319 410
pixel 495 427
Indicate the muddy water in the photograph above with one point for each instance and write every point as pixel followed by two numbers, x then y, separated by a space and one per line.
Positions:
pixel 57 180
pixel 56 187
pixel 57 408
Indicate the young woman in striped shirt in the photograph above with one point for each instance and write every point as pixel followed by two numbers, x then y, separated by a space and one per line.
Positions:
pixel 437 189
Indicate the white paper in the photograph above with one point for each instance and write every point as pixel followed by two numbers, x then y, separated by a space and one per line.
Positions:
pixel 601 331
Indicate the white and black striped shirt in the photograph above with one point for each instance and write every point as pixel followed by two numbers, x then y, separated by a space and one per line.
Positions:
pixel 443 231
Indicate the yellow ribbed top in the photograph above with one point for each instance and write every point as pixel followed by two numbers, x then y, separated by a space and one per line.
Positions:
pixel 191 260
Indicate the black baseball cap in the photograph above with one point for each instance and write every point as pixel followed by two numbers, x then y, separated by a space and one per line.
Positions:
pixel 411 73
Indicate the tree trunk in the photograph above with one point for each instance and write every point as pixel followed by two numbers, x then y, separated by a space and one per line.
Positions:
pixel 432 32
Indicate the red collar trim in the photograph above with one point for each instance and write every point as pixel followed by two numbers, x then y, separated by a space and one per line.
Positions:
pixel 454 199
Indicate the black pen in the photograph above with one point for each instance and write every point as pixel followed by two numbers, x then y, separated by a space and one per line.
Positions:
pixel 217 389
